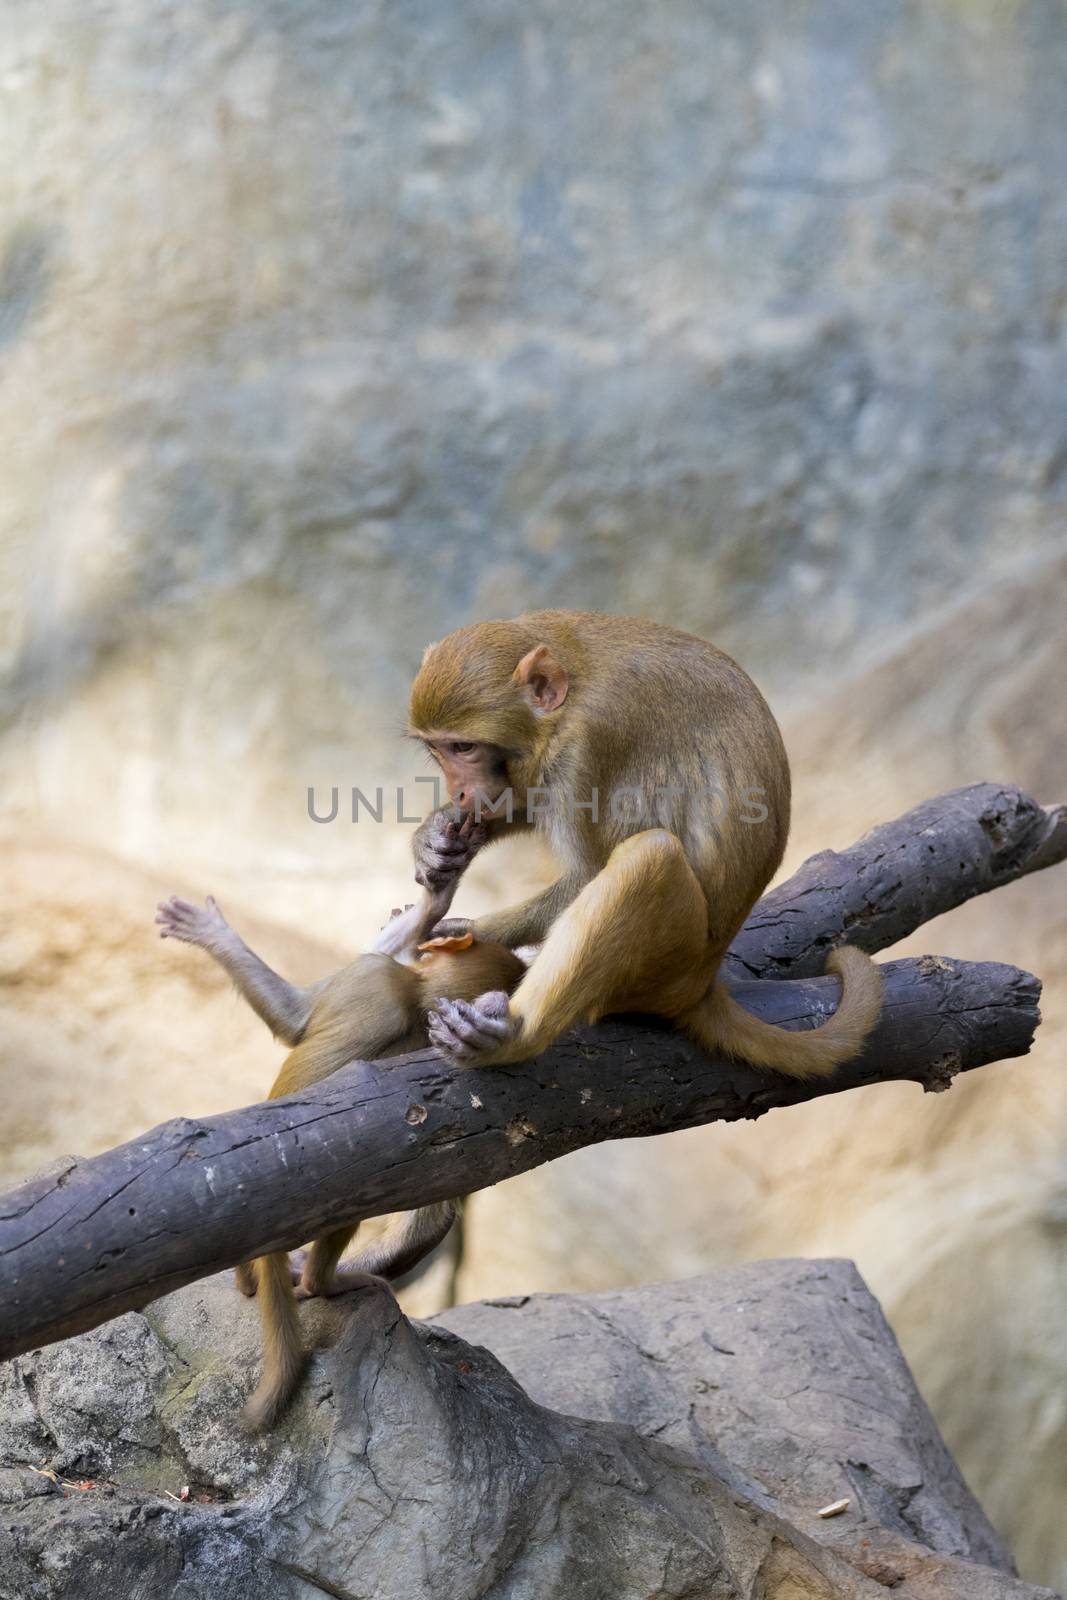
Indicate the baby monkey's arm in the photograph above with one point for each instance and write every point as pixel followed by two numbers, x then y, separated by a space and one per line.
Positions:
pixel 284 1008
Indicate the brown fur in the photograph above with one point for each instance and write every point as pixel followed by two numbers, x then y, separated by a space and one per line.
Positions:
pixel 641 916
pixel 373 1008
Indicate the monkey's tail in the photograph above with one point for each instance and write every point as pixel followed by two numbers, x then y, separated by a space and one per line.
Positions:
pixel 719 1023
pixel 405 1245
pixel 283 1352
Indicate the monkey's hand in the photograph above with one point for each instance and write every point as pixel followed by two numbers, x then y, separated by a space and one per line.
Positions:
pixel 465 1030
pixel 444 848
pixel 203 925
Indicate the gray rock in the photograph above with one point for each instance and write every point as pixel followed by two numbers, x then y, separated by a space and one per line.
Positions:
pixel 675 1441
pixel 784 1371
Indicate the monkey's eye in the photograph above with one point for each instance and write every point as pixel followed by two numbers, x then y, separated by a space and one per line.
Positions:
pixel 461 747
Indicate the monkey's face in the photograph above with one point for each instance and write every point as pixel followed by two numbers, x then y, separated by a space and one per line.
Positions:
pixel 485 719
pixel 472 770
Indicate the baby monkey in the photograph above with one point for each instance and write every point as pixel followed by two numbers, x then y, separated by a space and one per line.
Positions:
pixel 373 1008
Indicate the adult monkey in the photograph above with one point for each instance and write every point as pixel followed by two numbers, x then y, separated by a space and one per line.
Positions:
pixel 555 706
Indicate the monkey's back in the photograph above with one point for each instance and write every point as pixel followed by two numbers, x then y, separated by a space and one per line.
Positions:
pixel 359 1014
pixel 665 711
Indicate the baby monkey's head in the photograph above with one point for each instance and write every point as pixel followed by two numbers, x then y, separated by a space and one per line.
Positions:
pixel 462 968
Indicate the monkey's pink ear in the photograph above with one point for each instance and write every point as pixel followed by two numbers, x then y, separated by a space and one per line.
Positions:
pixel 543 679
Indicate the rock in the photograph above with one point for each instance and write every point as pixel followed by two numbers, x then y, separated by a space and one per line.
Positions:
pixel 786 1370
pixel 656 1444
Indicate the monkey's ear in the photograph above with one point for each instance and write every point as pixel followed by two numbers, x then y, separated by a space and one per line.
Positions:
pixel 426 652
pixel 543 679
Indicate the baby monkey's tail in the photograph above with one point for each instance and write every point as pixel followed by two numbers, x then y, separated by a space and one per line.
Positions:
pixel 402 1247
pixel 283 1350
pixel 718 1022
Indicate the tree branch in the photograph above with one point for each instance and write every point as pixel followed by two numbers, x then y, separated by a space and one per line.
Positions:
pixel 897 877
pixel 99 1237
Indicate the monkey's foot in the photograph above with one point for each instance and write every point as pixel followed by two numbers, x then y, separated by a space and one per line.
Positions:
pixel 297 1262
pixel 397 911
pixel 465 1030
pixel 178 919
pixel 245 1278
pixel 447 850
pixel 341 1281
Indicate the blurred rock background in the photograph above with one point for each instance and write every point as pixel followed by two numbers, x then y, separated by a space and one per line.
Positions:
pixel 326 327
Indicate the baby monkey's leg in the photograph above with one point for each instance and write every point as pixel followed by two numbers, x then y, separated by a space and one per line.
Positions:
pixel 399 1250
pixel 245 1277
pixel 283 1007
pixel 320 1275
pixel 319 1269
pixel 458 844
